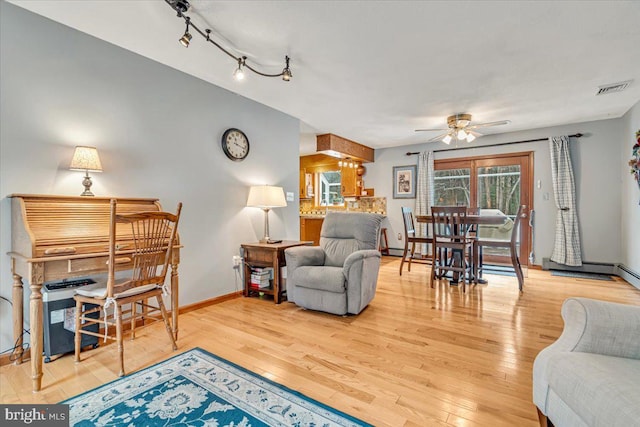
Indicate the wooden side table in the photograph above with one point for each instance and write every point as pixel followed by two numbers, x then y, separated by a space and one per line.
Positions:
pixel 266 255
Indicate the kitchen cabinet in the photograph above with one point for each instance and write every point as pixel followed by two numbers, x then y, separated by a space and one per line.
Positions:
pixel 310 229
pixel 351 182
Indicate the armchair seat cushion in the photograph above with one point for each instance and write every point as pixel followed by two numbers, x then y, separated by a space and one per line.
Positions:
pixel 328 279
pixel 603 390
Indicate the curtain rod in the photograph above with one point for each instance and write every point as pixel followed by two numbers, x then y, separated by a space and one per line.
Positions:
pixel 577 135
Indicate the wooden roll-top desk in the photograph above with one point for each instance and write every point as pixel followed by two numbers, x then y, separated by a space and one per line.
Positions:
pixel 60 237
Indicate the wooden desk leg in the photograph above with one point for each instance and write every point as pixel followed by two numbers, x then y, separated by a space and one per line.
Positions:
pixel 18 318
pixel 35 320
pixel 175 308
pixel 276 279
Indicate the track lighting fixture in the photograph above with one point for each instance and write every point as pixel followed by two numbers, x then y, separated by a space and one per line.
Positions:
pixel 186 37
pixel 182 6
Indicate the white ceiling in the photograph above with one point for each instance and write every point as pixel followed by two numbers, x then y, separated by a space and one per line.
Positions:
pixel 373 71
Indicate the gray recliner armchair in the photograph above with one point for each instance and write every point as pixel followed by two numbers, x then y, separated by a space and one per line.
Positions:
pixel 341 274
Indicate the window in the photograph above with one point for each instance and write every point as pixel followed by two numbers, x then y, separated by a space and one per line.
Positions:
pixel 330 185
pixel 452 187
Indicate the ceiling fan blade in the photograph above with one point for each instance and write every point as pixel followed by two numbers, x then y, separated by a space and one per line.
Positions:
pixel 484 125
pixel 430 130
pixel 437 138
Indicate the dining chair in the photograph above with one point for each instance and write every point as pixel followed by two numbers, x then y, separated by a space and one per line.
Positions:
pixel 511 244
pixel 145 243
pixel 411 238
pixel 451 231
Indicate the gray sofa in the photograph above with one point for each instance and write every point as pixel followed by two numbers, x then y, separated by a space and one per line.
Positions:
pixel 591 375
pixel 341 274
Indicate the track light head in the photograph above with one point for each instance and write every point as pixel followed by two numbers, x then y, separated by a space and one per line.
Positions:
pixel 238 74
pixel 286 73
pixel 186 37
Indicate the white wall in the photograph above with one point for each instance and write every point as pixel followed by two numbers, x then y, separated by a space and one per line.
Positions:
pixel 630 218
pixel 158 134
pixel 596 162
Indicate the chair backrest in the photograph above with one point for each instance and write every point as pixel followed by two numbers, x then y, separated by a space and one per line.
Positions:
pixel 153 235
pixel 343 233
pixel 407 218
pixel 515 232
pixel 450 222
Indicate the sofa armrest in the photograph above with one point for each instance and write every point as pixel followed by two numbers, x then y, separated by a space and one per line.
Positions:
pixel 590 326
pixel 361 271
pixel 600 327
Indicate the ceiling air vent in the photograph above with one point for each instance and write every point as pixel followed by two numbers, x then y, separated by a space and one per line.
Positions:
pixel 614 87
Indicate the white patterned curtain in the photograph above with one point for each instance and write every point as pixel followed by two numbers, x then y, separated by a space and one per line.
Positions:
pixel 566 248
pixel 424 194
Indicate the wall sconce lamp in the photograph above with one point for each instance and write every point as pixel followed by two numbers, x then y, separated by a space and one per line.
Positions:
pixel 266 197
pixel 86 159
pixel 182 6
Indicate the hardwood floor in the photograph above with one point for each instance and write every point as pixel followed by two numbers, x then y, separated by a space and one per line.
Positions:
pixel 415 357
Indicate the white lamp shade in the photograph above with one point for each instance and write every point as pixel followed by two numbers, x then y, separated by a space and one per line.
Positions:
pixel 85 159
pixel 266 196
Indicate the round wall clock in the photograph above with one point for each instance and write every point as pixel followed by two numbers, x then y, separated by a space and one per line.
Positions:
pixel 235 144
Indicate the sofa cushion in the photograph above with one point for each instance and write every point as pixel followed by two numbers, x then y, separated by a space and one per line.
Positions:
pixel 602 389
pixel 329 279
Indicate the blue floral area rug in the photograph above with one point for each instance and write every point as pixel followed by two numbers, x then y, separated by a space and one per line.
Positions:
pixel 197 388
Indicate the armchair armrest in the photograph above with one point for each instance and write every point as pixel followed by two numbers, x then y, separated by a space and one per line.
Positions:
pixel 303 255
pixel 590 326
pixel 352 260
pixel 361 271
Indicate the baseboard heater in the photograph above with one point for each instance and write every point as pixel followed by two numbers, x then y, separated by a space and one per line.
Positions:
pixel 629 275
pixel 586 267
pixel 621 270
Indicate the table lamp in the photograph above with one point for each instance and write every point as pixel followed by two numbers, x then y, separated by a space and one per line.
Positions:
pixel 266 197
pixel 86 159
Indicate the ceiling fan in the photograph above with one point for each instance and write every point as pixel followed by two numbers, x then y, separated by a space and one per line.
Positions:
pixel 460 128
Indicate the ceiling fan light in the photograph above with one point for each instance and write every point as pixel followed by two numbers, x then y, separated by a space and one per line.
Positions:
pixel 470 137
pixel 462 134
pixel 447 139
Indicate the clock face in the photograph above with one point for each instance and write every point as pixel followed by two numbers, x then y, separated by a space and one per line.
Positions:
pixel 235 144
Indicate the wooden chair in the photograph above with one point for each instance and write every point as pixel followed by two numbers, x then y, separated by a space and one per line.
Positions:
pixel 151 237
pixel 410 237
pixel 510 244
pixel 450 231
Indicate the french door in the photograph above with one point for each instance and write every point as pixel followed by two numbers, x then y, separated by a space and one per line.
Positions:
pixel 500 183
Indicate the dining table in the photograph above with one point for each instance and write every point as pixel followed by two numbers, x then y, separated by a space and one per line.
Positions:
pixel 472 219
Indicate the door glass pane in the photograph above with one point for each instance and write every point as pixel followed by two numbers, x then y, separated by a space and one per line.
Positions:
pixel 452 187
pixel 499 191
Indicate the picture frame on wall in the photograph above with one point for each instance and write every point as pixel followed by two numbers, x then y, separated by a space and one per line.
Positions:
pixel 404 182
